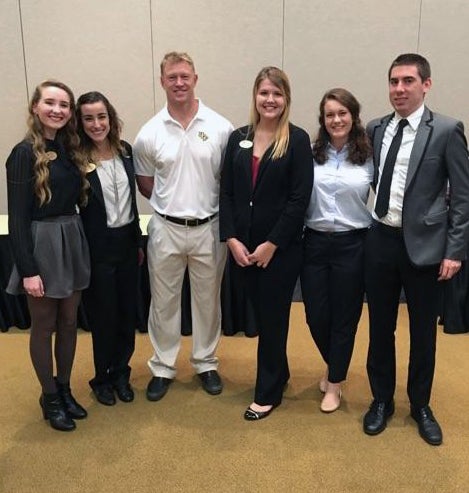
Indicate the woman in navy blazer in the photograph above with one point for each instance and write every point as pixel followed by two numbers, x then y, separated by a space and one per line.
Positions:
pixel 266 181
pixel 111 224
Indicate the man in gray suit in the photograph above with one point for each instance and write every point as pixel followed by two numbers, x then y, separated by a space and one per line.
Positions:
pixel 418 237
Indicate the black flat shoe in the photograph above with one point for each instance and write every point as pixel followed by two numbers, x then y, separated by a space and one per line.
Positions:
pixel 429 429
pixel 251 415
pixel 104 395
pixel 211 382
pixel 125 392
pixel 157 388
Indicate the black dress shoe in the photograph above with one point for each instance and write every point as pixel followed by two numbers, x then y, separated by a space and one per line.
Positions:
pixel 211 382
pixel 429 428
pixel 124 391
pixel 251 415
pixel 104 395
pixel 376 418
pixel 157 388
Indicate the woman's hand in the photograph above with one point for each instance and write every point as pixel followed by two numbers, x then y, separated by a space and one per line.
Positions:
pixel 33 286
pixel 263 254
pixel 239 251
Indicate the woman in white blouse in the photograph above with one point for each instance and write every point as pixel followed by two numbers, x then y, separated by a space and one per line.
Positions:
pixel 336 223
pixel 111 226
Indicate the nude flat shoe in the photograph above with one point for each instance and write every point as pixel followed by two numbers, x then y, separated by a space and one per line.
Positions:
pixel 331 401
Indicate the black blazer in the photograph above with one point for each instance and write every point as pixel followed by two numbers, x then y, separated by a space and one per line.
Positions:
pixel 94 214
pixel 433 228
pixel 274 209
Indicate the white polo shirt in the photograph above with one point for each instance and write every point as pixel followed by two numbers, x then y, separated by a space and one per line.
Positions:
pixel 185 163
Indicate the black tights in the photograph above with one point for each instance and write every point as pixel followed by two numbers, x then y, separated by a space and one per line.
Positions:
pixel 49 315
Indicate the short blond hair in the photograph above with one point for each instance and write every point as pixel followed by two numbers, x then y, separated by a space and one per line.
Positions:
pixel 176 57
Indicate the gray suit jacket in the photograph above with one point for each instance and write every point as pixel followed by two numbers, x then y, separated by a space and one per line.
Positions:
pixel 435 226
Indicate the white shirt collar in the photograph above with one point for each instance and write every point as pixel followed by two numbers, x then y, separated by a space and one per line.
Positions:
pixel 201 112
pixel 413 119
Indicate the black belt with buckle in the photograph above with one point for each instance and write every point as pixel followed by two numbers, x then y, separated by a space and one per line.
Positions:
pixel 187 222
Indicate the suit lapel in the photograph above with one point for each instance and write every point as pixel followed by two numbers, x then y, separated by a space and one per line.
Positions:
pixel 377 144
pixel 95 185
pixel 422 138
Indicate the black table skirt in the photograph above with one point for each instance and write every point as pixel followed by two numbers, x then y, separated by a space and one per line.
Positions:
pixel 237 314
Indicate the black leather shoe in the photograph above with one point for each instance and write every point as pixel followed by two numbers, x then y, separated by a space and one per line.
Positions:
pixel 53 410
pixel 376 418
pixel 429 428
pixel 124 391
pixel 72 407
pixel 157 388
pixel 104 395
pixel 211 382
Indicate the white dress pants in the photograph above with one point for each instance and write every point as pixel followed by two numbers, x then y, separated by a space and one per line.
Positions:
pixel 172 247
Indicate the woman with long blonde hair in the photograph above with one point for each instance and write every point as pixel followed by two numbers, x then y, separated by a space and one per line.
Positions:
pixel 46 180
pixel 265 187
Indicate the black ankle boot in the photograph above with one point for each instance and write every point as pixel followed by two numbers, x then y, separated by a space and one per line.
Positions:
pixel 53 410
pixel 74 410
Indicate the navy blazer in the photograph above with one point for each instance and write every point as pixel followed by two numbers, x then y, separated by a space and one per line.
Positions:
pixel 434 228
pixel 274 209
pixel 94 214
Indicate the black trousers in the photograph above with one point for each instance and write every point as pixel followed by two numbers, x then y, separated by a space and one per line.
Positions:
pixel 110 305
pixel 332 286
pixel 387 270
pixel 270 291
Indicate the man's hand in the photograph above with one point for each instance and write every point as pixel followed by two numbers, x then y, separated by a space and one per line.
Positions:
pixel 448 268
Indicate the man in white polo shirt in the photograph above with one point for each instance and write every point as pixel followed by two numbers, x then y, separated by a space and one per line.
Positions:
pixel 177 157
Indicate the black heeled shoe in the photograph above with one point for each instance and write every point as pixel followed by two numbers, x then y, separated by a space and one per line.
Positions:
pixel 251 415
pixel 73 409
pixel 53 409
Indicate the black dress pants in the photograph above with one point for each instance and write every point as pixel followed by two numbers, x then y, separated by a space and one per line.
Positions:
pixel 270 291
pixel 110 305
pixel 387 270
pixel 332 286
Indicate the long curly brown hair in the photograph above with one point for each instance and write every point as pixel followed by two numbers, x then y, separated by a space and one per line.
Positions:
pixel 359 148
pixel 67 135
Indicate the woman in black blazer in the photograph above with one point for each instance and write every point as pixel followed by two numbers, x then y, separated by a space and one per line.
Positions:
pixel 112 228
pixel 266 182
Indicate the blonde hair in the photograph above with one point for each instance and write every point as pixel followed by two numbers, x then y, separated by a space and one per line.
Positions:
pixel 176 57
pixel 35 135
pixel 282 135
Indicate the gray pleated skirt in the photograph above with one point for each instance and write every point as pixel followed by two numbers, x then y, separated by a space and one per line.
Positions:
pixel 62 255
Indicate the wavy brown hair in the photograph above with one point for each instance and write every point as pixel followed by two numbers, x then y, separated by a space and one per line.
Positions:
pixel 67 135
pixel 280 80
pixel 115 125
pixel 359 148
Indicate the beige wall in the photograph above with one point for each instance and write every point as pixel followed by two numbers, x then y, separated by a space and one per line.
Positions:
pixel 115 46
